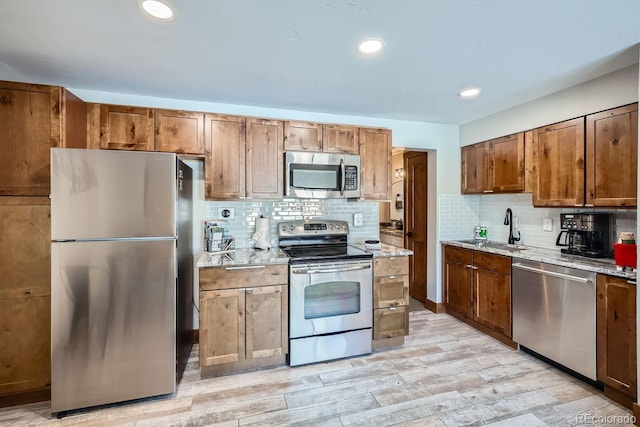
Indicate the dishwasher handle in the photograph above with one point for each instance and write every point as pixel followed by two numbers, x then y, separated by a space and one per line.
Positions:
pixel 553 273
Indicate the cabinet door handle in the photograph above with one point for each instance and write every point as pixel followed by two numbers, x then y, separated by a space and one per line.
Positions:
pixel 631 282
pixel 245 267
pixel 473 267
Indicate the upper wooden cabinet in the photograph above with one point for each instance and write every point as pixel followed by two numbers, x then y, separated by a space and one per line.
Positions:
pixel 340 139
pixel 264 159
pixel 328 138
pixel 180 132
pixel 496 165
pixel 506 170
pixel 560 164
pixel 375 163
pixel 302 136
pixel 34 118
pixel 612 157
pixel 475 168
pixel 126 128
pixel 224 162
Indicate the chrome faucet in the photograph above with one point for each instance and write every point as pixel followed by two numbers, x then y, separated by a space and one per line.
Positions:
pixel 508 220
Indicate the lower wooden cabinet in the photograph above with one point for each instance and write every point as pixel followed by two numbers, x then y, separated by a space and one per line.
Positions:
pixel 25 297
pixel 458 291
pixel 492 291
pixel 616 338
pixel 477 289
pixel 243 317
pixel 390 301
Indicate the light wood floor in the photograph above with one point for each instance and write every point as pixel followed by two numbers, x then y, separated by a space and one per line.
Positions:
pixel 447 374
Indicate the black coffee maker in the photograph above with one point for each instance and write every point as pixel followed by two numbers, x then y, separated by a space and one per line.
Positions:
pixel 587 234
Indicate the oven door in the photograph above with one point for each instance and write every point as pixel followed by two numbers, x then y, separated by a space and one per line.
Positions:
pixel 325 298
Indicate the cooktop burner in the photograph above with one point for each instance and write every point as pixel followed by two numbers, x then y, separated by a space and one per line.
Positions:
pixel 317 240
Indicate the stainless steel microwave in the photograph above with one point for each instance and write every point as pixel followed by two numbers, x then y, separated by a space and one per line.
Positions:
pixel 322 175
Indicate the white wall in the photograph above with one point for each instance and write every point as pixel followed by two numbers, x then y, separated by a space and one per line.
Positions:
pixel 608 91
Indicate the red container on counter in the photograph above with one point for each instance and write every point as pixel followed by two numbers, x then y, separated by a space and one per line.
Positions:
pixel 626 254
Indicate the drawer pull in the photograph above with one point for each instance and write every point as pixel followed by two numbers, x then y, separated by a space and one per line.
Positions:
pixel 246 267
pixel 392 308
pixel 392 277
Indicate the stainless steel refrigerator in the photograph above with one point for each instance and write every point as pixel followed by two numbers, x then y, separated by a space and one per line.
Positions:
pixel 121 275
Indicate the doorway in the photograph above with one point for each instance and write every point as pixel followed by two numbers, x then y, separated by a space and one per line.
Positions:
pixel 415 220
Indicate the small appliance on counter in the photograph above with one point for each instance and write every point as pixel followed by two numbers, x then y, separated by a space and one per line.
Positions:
pixel 626 251
pixel 262 236
pixel 586 234
pixel 372 245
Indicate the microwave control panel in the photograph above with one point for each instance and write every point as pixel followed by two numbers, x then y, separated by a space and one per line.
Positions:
pixel 350 177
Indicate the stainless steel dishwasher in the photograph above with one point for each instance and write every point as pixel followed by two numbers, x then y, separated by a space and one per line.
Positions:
pixel 554 313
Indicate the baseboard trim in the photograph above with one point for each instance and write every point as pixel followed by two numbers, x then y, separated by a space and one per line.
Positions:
pixel 636 413
pixel 436 307
pixel 620 397
pixel 41 395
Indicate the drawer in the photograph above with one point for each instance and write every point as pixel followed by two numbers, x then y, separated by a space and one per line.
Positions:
pixel 390 266
pixel 390 322
pixel 390 291
pixel 464 256
pixel 488 261
pixel 233 277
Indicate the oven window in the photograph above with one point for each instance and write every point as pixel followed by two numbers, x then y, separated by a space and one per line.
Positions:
pixel 329 299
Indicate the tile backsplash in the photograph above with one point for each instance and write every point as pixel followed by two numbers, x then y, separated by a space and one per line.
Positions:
pixel 459 214
pixel 243 225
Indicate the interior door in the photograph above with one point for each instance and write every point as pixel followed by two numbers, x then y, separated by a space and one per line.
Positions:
pixel 415 166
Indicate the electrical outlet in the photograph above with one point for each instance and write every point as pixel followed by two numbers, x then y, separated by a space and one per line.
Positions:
pixel 357 219
pixel 226 213
pixel 547 224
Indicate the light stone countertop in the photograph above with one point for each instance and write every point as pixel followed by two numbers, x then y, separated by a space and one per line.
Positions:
pixel 392 231
pixel 532 253
pixel 243 257
pixel 385 250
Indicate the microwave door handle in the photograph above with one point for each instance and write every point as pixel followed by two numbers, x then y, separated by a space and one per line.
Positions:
pixel 342 177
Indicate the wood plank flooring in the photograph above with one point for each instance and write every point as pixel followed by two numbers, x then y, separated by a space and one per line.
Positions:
pixel 447 374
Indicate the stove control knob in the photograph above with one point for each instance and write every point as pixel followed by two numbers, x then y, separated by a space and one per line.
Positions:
pixel 283 227
pixel 344 226
pixel 330 226
pixel 291 227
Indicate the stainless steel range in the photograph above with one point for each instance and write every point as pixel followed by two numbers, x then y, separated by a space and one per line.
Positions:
pixel 330 291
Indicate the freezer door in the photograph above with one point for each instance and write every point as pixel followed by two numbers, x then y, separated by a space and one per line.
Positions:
pixel 112 321
pixel 112 194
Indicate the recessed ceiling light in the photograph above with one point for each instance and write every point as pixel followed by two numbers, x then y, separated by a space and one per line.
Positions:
pixel 158 9
pixel 469 93
pixel 370 46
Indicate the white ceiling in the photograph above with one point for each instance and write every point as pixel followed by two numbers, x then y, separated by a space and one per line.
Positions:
pixel 301 54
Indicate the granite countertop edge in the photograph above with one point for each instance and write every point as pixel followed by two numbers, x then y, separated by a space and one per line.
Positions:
pixel 532 253
pixel 240 257
pixel 386 250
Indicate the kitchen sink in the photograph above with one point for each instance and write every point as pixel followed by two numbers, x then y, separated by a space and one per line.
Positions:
pixel 497 245
pixel 505 246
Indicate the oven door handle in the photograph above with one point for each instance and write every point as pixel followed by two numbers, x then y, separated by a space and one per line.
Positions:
pixel 331 270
